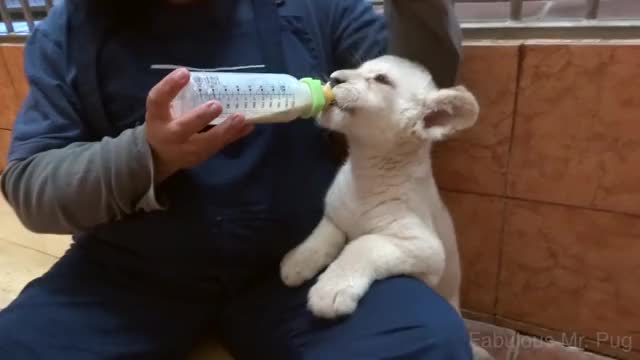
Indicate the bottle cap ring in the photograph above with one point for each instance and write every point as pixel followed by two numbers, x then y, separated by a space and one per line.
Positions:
pixel 318 96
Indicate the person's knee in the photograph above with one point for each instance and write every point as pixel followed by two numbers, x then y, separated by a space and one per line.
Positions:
pixel 444 332
pixel 439 338
pixel 450 341
pixel 10 340
pixel 400 319
pixel 431 328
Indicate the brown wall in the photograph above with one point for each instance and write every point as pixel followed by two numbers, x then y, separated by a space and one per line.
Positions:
pixel 545 190
pixel 13 87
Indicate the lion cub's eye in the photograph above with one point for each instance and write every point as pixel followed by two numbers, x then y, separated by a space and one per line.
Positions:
pixel 383 79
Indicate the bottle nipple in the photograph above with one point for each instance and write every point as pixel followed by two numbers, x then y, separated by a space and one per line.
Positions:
pixel 321 96
pixel 329 96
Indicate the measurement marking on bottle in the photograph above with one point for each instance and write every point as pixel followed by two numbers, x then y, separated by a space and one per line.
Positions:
pixel 249 98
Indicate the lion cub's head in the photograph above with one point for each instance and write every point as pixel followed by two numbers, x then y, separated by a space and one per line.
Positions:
pixel 389 100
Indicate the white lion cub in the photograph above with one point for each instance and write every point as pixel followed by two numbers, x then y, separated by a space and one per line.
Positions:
pixel 384 215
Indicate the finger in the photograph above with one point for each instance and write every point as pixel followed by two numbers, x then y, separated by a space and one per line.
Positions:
pixel 161 95
pixel 196 120
pixel 228 131
pixel 248 128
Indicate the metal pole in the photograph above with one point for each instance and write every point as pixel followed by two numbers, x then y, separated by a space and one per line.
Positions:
pixel 593 9
pixel 516 10
pixel 6 18
pixel 26 10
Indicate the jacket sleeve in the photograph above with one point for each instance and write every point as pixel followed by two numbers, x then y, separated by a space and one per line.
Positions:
pixel 428 32
pixel 424 31
pixel 358 33
pixel 60 178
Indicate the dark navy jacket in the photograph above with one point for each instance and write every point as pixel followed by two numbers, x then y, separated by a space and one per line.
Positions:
pixel 234 216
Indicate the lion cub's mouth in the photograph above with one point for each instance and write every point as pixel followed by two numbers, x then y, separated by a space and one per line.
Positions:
pixel 341 106
pixel 343 101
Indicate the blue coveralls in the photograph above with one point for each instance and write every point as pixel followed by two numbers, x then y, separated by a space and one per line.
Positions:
pixel 150 285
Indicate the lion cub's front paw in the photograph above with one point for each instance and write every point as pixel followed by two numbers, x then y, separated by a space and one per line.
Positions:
pixel 299 265
pixel 334 296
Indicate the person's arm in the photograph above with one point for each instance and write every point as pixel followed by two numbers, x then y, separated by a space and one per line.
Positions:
pixel 59 180
pixel 424 31
pixel 427 32
pixel 62 179
pixel 357 33
pixel 70 189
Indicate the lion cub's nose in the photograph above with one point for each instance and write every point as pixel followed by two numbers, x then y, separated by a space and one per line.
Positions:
pixel 336 80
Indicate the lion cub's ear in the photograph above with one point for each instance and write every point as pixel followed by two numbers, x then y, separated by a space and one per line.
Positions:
pixel 446 112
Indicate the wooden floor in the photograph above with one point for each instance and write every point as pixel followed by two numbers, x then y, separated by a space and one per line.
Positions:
pixel 23 254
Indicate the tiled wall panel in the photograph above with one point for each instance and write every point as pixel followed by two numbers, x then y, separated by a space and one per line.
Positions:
pixel 479 221
pixel 475 160
pixel 5 135
pixel 13 55
pixel 577 124
pixel 8 96
pixel 571 269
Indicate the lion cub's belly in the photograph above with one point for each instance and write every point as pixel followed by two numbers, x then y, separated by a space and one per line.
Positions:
pixel 343 207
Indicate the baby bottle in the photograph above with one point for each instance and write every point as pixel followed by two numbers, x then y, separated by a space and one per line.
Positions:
pixel 260 97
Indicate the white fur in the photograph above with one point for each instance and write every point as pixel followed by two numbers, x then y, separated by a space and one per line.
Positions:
pixel 384 215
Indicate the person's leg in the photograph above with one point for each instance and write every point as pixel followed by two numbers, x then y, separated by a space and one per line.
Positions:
pixel 81 310
pixel 398 318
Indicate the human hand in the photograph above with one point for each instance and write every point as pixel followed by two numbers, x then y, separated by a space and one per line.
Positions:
pixel 179 143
